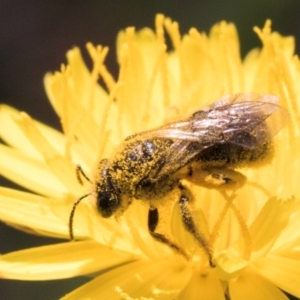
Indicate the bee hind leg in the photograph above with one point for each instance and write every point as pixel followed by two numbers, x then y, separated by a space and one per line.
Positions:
pixel 190 224
pixel 153 218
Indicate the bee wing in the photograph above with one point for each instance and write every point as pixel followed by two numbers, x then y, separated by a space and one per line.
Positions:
pixel 247 120
pixel 255 112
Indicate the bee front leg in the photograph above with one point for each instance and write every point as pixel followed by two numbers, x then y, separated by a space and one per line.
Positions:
pixel 153 218
pixel 190 225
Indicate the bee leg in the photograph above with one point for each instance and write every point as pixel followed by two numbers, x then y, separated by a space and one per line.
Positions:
pixel 190 225
pixel 153 218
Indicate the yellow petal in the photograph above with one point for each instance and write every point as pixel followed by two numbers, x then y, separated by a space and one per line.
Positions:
pixel 85 109
pixel 281 271
pixel 30 211
pixel 78 83
pixel 63 169
pixel 229 266
pixel 16 137
pixel 137 279
pixel 29 173
pixel 250 285
pixel 207 285
pixel 264 231
pixel 289 239
pixel 59 261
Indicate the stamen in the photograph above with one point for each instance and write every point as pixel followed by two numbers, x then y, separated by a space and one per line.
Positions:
pixel 104 133
pixel 65 117
pixel 173 31
pixel 98 55
pixel 241 221
pixel 159 23
pixel 260 187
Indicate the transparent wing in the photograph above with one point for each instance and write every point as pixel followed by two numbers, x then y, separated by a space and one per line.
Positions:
pixel 243 119
pixel 248 120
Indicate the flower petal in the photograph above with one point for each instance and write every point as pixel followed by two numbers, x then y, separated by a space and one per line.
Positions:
pixel 87 113
pixel 29 173
pixel 16 137
pixel 289 239
pixel 283 272
pixel 160 280
pixel 207 285
pixel 59 261
pixel 30 211
pixel 63 169
pixel 87 222
pixel 250 285
pixel 264 231
pixel 224 47
pixel 78 83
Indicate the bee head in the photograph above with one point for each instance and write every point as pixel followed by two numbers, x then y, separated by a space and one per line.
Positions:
pixel 107 203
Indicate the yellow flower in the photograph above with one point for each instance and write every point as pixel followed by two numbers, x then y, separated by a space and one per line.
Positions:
pixel 253 231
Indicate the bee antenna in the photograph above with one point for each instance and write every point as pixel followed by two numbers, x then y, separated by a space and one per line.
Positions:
pixel 71 218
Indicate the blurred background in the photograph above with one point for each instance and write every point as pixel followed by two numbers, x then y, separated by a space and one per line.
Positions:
pixel 35 35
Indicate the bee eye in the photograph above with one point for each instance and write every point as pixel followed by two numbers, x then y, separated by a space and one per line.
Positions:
pixel 107 203
pixel 148 149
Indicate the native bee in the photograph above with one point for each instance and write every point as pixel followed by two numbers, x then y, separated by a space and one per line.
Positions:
pixel 235 131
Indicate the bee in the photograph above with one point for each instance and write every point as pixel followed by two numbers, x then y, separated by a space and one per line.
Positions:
pixel 234 132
